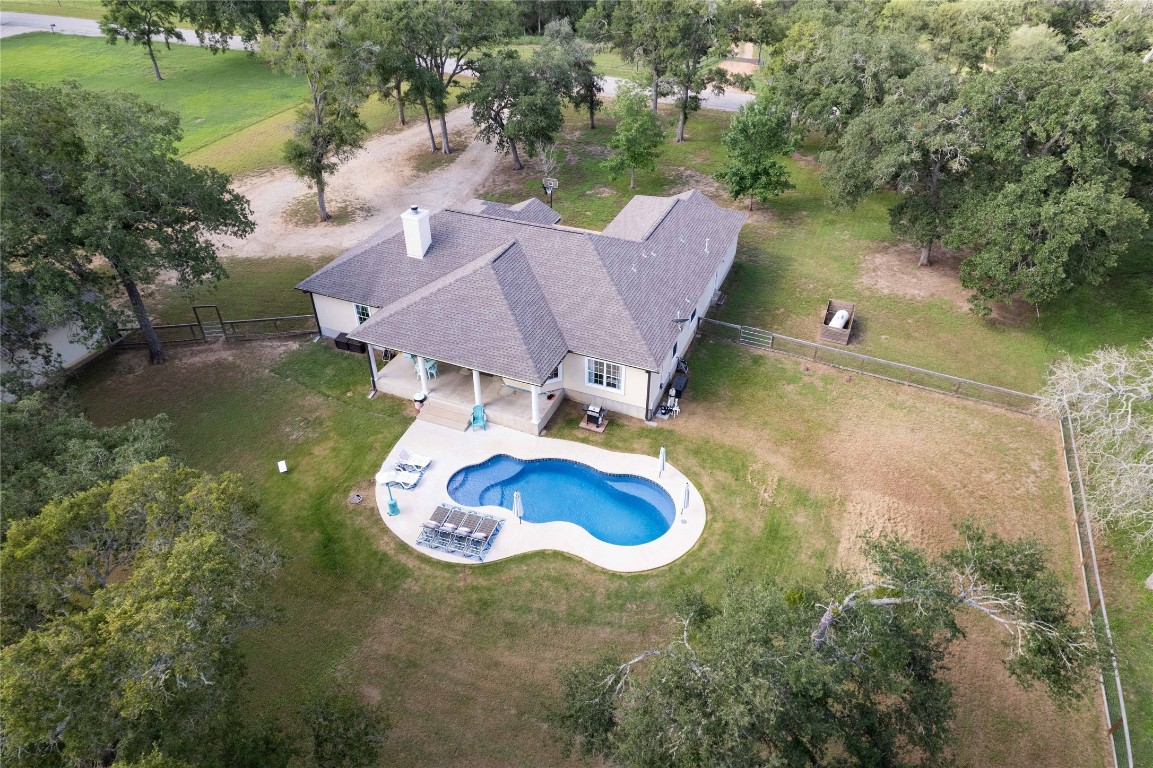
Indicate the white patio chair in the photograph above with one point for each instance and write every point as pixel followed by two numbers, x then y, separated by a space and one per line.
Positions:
pixel 402 477
pixel 413 462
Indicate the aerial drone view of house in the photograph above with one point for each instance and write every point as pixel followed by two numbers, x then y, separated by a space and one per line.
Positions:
pixel 531 311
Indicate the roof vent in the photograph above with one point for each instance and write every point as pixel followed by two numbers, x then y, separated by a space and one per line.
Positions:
pixel 417 235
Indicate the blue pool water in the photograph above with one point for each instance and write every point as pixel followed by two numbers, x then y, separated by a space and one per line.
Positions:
pixel 618 509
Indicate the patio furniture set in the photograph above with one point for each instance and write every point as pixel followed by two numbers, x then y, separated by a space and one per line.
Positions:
pixel 459 531
pixel 405 472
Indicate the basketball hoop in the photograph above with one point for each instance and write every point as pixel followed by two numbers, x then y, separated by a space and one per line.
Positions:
pixel 549 186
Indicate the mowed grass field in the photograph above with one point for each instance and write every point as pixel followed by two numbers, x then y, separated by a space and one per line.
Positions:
pixel 795 463
pixel 235 110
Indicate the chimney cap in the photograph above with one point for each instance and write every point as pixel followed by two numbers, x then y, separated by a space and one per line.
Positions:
pixel 414 208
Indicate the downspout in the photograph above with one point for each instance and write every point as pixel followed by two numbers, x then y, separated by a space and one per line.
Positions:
pixel 649 396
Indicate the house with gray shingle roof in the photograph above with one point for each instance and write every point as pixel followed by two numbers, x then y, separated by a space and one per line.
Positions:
pixel 503 306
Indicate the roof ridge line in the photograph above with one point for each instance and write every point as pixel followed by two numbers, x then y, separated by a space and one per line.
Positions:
pixel 661 220
pixel 524 340
pixel 443 281
pixel 551 227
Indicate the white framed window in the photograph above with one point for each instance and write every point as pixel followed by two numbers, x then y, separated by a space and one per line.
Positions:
pixel 361 313
pixel 603 374
pixel 556 375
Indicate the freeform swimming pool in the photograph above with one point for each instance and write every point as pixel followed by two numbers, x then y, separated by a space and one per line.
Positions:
pixel 618 509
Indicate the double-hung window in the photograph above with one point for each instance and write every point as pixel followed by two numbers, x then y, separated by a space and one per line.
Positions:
pixel 602 374
pixel 361 313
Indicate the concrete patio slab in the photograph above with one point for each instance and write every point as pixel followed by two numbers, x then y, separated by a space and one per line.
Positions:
pixel 452 449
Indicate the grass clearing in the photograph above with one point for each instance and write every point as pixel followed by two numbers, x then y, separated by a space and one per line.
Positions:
pixel 235 110
pixel 253 288
pixel 77 9
pixel 359 606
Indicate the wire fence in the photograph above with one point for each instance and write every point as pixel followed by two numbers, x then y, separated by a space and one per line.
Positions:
pixel 254 328
pixel 900 373
pixel 1112 693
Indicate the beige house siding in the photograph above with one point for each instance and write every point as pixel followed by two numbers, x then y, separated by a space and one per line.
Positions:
pixel 630 400
pixel 336 316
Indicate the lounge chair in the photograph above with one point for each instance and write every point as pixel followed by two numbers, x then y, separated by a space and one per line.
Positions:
pixel 480 540
pixel 479 420
pixel 464 530
pixel 437 518
pixel 402 477
pixel 413 462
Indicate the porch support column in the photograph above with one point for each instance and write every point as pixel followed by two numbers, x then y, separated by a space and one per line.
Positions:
pixel 372 369
pixel 535 405
pixel 423 372
pixel 372 364
pixel 479 400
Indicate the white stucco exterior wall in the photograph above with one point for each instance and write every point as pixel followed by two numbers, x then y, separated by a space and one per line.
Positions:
pixel 336 316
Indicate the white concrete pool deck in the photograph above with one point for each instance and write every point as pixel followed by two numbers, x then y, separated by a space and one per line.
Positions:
pixel 452 449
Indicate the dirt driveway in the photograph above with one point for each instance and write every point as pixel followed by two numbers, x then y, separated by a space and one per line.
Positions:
pixel 378 181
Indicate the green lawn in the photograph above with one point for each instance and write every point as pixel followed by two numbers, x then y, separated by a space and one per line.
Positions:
pixel 355 605
pixel 236 111
pixel 78 9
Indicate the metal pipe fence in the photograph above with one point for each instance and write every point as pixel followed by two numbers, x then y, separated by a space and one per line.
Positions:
pixel 1111 691
pixel 254 328
pixel 900 373
pixel 1112 694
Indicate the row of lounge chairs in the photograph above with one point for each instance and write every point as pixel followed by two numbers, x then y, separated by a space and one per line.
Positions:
pixel 405 472
pixel 459 531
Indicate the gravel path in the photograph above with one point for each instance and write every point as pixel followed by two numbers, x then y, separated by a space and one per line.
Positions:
pixel 378 179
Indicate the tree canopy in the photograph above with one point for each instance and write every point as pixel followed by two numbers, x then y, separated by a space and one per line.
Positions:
pixel 841 673
pixel 636 141
pixel 1017 131
pixel 758 135
pixel 50 450
pixel 323 49
pixel 214 22
pixel 96 199
pixel 441 37
pixel 139 21
pixel 121 610
pixel 513 104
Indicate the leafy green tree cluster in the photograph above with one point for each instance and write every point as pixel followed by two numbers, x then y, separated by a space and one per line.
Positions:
pixel 50 450
pixel 512 105
pixel 322 48
pixel 758 135
pixel 439 38
pixel 213 22
pixel 636 141
pixel 567 63
pixel 121 609
pixel 139 21
pixel 840 673
pixel 1019 131
pixel 97 203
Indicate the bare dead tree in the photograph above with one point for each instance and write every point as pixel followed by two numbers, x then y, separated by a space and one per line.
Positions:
pixel 1108 398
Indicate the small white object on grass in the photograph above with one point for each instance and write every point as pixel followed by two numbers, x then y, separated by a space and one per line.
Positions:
pixel 282 465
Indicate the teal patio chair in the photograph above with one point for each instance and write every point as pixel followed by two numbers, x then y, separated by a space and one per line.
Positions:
pixel 479 420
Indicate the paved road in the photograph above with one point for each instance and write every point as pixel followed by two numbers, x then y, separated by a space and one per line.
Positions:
pixel 21 23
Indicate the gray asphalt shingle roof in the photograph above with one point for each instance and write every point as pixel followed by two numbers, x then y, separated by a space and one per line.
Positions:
pixel 541 290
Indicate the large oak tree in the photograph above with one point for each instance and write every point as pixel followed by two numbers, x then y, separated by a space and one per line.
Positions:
pixel 95 199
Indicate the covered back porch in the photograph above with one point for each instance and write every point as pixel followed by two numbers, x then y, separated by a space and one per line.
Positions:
pixel 453 391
